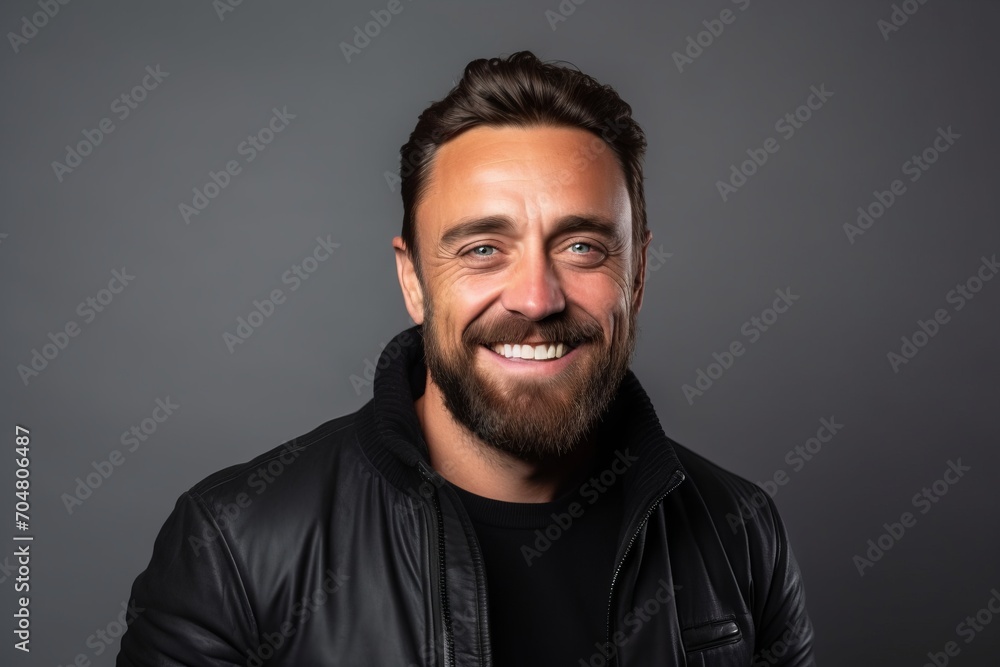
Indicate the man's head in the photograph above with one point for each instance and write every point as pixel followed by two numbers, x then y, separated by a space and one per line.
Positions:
pixel 522 227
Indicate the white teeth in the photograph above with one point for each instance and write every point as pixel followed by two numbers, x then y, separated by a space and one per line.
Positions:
pixel 524 351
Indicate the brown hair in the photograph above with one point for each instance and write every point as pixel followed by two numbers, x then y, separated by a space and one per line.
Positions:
pixel 522 91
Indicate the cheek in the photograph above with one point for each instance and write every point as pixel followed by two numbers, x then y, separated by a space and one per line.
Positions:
pixel 603 294
pixel 456 306
pixel 470 297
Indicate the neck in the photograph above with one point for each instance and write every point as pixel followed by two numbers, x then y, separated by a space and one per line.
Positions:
pixel 463 459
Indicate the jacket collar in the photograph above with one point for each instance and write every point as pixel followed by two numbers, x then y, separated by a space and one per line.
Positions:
pixel 390 434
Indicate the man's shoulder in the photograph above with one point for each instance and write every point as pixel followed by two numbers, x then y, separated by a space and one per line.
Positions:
pixel 729 497
pixel 705 473
pixel 303 463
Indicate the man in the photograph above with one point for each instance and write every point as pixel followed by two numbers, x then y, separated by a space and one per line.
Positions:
pixel 508 496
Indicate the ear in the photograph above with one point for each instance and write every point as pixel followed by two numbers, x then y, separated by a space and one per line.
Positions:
pixel 413 293
pixel 639 282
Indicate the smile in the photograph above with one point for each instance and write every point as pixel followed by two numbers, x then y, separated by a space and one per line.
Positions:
pixel 541 351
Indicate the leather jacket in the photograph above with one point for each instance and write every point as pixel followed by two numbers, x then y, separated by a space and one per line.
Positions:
pixel 344 547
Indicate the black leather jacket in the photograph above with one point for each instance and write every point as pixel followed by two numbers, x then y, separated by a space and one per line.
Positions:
pixel 344 547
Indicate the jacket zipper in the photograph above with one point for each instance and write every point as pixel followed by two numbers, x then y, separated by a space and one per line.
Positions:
pixel 613 658
pixel 449 643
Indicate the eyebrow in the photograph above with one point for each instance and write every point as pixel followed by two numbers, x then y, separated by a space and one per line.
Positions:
pixel 503 224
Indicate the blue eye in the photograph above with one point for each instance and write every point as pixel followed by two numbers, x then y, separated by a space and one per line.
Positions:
pixel 475 251
pixel 579 243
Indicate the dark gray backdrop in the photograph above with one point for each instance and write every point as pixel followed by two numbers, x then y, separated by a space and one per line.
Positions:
pixel 719 261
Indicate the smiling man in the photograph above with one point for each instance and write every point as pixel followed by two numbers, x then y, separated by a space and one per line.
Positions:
pixel 528 301
pixel 508 496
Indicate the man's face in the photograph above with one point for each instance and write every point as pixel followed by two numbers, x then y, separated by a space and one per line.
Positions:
pixel 525 239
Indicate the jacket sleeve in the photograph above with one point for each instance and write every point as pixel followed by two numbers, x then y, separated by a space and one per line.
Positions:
pixel 785 632
pixel 189 606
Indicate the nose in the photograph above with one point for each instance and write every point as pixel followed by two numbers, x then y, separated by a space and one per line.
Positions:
pixel 533 288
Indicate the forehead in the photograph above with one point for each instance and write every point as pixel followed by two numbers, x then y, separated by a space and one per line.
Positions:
pixel 530 174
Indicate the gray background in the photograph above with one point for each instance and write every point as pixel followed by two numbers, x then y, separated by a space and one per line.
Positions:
pixel 162 336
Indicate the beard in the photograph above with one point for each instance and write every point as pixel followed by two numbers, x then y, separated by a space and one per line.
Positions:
pixel 530 418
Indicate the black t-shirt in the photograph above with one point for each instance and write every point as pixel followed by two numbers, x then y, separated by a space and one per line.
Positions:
pixel 549 569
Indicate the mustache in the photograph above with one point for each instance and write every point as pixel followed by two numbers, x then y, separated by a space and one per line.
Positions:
pixel 511 329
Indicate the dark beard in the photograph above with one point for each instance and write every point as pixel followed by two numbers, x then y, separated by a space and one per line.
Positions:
pixel 537 418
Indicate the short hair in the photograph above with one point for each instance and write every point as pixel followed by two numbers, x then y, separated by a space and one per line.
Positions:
pixel 522 91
